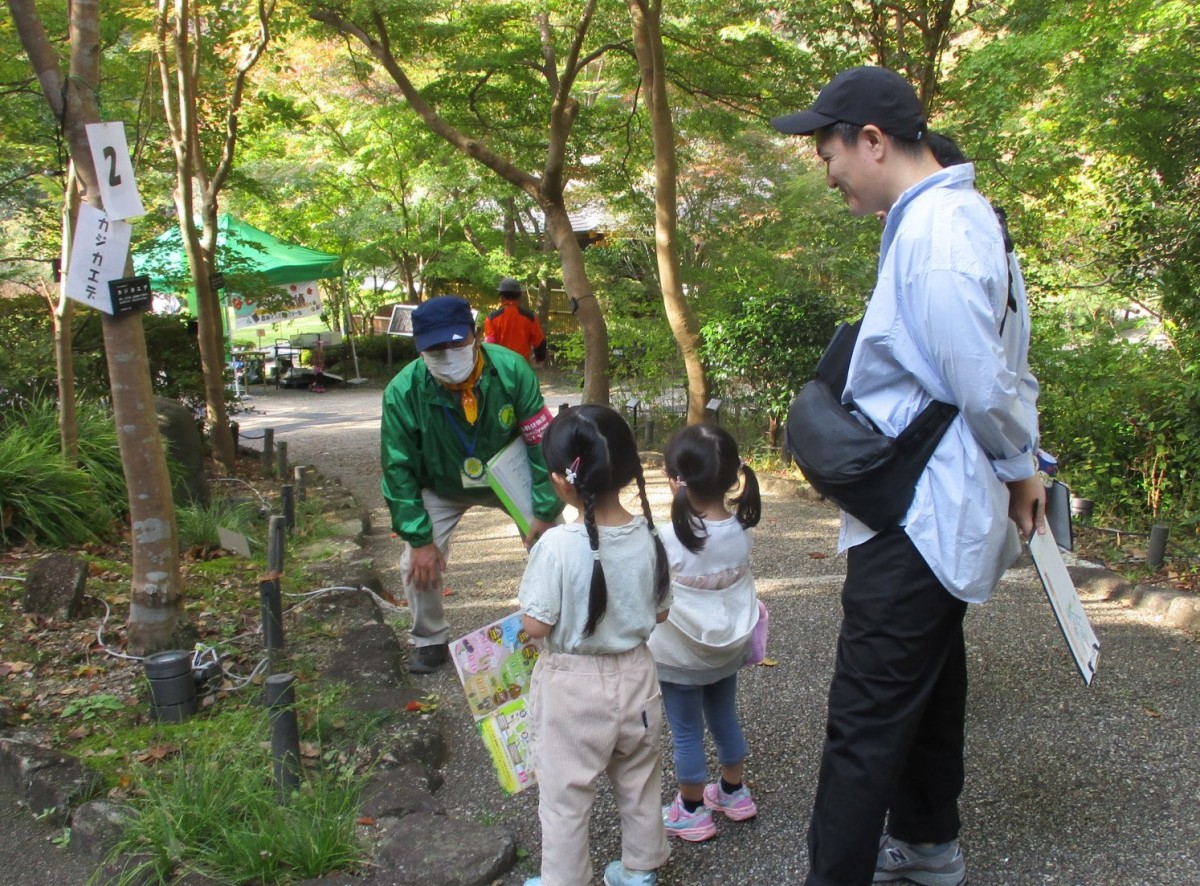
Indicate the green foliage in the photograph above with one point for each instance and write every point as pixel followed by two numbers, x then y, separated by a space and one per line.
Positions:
pixel 765 349
pixel 213 809
pixel 92 707
pixel 28 370
pixel 27 367
pixel 44 499
pixel 1122 419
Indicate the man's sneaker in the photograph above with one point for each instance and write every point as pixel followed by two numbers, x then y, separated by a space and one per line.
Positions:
pixel 616 874
pixel 691 826
pixel 898 860
pixel 427 659
pixel 737 806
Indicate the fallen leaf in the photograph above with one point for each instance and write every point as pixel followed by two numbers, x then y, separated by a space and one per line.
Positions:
pixel 308 749
pixel 816 555
pixel 446 592
pixel 365 819
pixel 161 751
pixel 769 663
pixel 78 733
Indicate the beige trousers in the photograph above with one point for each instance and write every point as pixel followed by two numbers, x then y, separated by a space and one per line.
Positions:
pixel 594 714
pixel 429 617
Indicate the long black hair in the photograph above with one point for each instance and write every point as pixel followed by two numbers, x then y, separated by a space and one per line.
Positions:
pixel 597 446
pixel 704 460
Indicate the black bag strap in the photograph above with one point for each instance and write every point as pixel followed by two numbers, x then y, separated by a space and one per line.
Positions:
pixel 833 368
pixel 1002 217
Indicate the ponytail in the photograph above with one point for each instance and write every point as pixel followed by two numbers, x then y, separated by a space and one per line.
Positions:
pixel 598 593
pixel 686 521
pixel 749 503
pixel 662 569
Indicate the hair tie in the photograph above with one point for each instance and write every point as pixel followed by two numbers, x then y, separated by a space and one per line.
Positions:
pixel 654 531
pixel 682 483
pixel 743 463
pixel 596 555
pixel 572 473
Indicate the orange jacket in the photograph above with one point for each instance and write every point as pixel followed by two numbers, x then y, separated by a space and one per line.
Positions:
pixel 517 329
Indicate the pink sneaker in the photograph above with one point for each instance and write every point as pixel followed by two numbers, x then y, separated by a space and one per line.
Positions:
pixel 737 806
pixel 690 826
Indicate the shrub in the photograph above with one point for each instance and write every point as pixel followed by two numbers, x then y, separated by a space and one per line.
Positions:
pixel 1123 420
pixel 44 498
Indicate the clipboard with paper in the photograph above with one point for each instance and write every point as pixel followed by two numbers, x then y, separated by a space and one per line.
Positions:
pixel 1064 600
pixel 508 476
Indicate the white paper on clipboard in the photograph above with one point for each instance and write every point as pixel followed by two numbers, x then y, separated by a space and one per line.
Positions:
pixel 1064 600
pixel 508 475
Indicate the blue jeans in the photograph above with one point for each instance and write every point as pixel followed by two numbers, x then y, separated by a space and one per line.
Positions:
pixel 688 709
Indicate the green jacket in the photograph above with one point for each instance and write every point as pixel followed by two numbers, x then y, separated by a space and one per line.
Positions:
pixel 420 450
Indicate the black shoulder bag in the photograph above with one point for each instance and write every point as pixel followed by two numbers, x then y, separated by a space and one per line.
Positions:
pixel 866 473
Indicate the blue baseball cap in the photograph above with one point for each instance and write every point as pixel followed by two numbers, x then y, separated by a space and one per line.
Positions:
pixel 438 321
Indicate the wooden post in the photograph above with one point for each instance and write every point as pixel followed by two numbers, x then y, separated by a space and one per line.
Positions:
pixel 268 451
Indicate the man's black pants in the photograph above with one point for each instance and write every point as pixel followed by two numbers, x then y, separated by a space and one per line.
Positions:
pixel 897 706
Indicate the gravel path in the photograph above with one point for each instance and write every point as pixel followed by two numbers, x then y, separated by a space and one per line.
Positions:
pixel 1066 784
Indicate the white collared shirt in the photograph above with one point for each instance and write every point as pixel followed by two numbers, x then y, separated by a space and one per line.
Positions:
pixel 932 331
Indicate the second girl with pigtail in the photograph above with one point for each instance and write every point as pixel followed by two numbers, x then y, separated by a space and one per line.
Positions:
pixel 592 592
pixel 707 637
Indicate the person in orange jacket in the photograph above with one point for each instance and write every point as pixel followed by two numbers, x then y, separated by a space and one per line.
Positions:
pixel 515 327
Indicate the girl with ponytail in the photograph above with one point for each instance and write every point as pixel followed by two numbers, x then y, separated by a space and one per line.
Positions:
pixel 715 614
pixel 592 592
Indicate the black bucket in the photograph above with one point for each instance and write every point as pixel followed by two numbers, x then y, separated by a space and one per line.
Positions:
pixel 172 686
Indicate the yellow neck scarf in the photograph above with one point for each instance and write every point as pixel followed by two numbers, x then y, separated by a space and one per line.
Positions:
pixel 470 402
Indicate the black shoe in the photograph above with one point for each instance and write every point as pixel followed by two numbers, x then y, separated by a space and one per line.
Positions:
pixel 427 659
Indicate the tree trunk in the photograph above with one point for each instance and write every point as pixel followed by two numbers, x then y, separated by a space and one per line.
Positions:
pixel 647 41
pixel 587 309
pixel 181 107
pixel 211 332
pixel 156 602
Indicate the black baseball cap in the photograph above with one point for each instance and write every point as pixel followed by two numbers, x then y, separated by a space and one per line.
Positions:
pixel 864 95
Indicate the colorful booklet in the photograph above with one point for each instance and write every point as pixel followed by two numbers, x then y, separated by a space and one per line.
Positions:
pixel 494 664
pixel 508 475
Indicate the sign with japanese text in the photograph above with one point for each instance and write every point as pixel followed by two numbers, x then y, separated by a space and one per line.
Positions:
pixel 298 300
pixel 130 294
pixel 114 169
pixel 98 255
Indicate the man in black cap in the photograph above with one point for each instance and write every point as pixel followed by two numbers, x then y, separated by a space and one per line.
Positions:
pixel 444 417
pixel 515 327
pixel 939 326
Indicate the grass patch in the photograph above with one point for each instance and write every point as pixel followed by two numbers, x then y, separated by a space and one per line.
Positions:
pixel 196 525
pixel 212 808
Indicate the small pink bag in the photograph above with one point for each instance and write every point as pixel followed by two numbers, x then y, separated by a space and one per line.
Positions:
pixel 758 638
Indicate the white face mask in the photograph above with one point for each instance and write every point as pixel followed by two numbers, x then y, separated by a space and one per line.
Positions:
pixel 450 366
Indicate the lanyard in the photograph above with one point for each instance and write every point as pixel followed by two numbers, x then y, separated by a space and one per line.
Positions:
pixel 467 445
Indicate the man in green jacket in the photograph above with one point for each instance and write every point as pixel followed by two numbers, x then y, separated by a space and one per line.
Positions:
pixel 444 417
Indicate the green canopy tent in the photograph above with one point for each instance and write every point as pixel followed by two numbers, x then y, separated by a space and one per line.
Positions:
pixel 264 279
pixel 250 261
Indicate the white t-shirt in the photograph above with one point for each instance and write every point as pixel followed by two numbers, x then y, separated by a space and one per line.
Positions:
pixel 558 579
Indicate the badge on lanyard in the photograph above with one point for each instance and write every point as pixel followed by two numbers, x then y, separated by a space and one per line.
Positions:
pixel 473 468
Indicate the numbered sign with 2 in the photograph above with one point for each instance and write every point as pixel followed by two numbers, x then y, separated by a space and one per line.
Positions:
pixel 114 169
